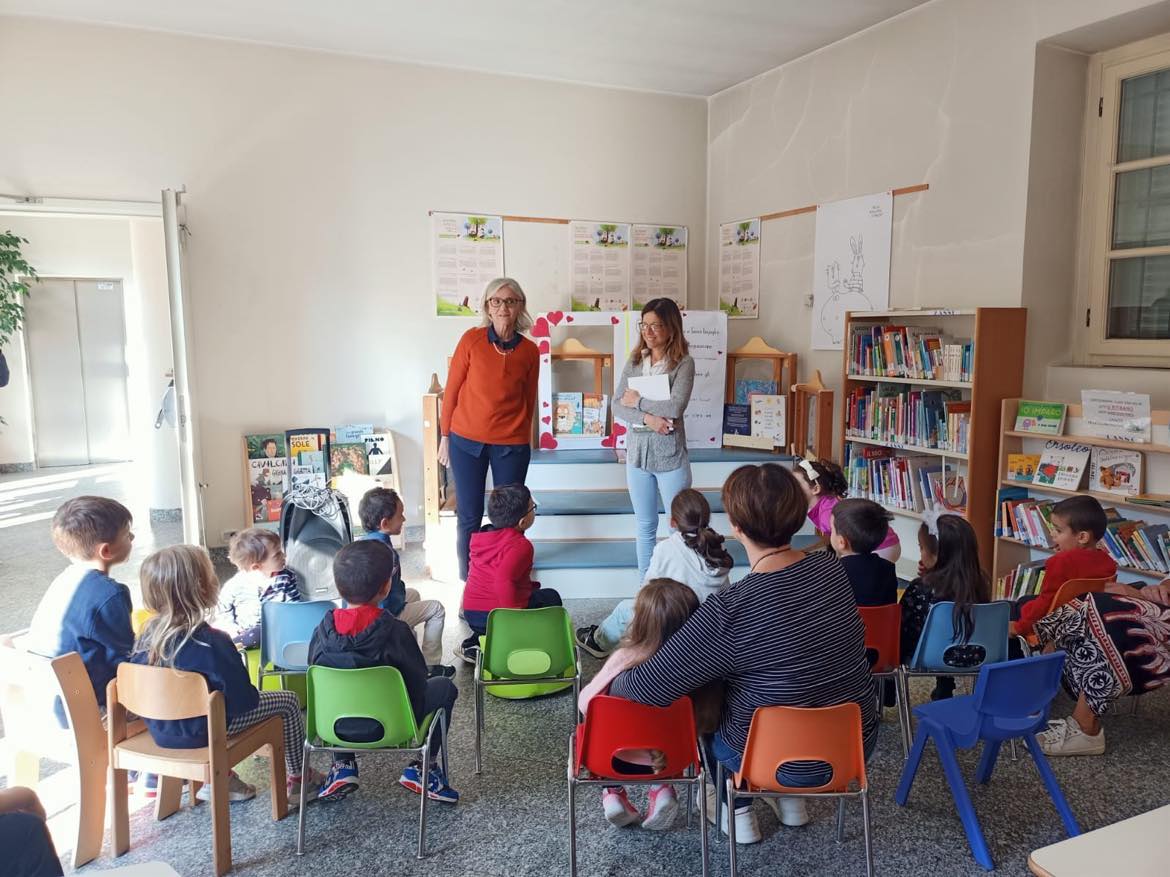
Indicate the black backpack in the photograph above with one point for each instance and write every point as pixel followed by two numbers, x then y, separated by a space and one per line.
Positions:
pixel 314 526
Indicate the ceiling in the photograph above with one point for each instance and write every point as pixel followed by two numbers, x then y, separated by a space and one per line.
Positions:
pixel 692 47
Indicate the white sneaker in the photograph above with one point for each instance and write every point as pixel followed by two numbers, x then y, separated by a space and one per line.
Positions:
pixel 747 830
pixel 1065 737
pixel 661 809
pixel 618 809
pixel 238 790
pixel 790 811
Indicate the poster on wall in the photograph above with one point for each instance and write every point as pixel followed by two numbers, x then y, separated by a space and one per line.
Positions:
pixel 739 269
pixel 600 253
pixel 468 253
pixel 658 263
pixel 851 263
pixel 706 334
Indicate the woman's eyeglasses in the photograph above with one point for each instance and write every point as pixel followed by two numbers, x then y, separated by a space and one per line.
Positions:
pixel 652 328
pixel 508 303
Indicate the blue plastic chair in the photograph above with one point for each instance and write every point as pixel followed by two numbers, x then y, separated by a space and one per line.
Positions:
pixel 285 631
pixel 1011 700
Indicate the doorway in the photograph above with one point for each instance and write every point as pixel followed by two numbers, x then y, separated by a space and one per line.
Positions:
pixel 75 331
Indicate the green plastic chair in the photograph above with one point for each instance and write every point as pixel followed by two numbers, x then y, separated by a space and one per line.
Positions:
pixel 526 653
pixel 272 682
pixel 371 693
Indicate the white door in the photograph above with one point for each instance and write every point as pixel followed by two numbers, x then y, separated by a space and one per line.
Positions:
pixel 55 374
pixel 101 323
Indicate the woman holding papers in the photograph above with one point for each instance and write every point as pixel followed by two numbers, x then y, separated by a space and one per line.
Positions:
pixel 652 394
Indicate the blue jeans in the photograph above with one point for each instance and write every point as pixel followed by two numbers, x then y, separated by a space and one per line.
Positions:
pixel 644 490
pixel 469 465
pixel 610 631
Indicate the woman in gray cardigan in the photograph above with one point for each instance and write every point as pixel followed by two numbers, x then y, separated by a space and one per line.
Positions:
pixel 656 444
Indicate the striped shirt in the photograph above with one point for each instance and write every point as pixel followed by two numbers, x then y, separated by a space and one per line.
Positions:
pixel 787 638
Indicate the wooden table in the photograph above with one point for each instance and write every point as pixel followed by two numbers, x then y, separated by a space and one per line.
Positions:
pixel 1136 847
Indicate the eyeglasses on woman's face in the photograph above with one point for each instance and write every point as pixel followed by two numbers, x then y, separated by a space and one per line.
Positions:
pixel 648 328
pixel 497 303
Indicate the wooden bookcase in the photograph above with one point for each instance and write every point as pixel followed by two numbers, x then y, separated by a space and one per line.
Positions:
pixel 997 373
pixel 1010 553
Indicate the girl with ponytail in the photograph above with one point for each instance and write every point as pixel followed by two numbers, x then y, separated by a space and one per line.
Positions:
pixel 825 485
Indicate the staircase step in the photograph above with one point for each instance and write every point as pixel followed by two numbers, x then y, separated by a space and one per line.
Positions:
pixel 600 470
pixel 577 527
pixel 602 502
pixel 697 455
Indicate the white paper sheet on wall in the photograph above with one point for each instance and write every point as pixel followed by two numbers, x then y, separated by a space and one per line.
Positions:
pixel 658 263
pixel 467 253
pixel 600 265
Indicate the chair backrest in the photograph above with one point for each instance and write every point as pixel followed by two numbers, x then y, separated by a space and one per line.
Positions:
pixel 377 693
pixel 883 633
pixel 162 693
pixel 1074 588
pixel 529 643
pixel 941 639
pixel 782 734
pixel 613 724
pixel 29 685
pixel 1020 688
pixel 285 632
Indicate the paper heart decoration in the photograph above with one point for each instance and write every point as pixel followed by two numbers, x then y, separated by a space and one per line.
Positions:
pixel 568 318
pixel 711 439
pixel 547 442
pixel 545 360
pixel 614 320
pixel 547 420
pixel 540 328
pixel 555 317
pixel 610 441
pixel 544 345
pixel 545 404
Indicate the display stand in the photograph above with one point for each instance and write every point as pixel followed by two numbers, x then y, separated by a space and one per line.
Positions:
pixel 812 419
pixel 574 351
pixel 783 375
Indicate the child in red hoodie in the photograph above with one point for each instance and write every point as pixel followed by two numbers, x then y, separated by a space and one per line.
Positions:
pixel 1078 524
pixel 500 568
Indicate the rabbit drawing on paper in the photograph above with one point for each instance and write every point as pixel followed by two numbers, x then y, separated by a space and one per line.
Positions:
pixel 845 294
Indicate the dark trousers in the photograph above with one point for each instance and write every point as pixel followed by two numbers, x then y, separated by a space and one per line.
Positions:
pixel 28 850
pixel 440 694
pixel 469 464
pixel 477 621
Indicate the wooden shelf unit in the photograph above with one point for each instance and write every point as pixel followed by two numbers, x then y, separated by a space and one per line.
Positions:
pixel 997 373
pixel 1010 552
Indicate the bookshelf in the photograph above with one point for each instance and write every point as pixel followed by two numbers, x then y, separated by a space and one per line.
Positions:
pixel 995 368
pixel 1010 552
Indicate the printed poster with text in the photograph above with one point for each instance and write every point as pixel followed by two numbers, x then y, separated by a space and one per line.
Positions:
pixel 601 265
pixel 468 253
pixel 739 269
pixel 659 264
pixel 851 261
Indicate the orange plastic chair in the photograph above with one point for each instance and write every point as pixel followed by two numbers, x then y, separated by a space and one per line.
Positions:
pixel 883 634
pixel 1066 593
pixel 782 734
pixel 613 725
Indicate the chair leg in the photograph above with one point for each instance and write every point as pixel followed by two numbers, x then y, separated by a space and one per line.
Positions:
pixel 478 728
pixel 951 770
pixel 987 760
pixel 840 820
pixel 572 819
pixel 119 812
pixel 690 797
pixel 1012 748
pixel 903 691
pixel 221 827
pixel 729 788
pixel 170 797
pixel 868 840
pixel 301 813
pixel 703 842
pixel 720 804
pixel 91 809
pixel 1054 790
pixel 910 769
pixel 279 771
pixel 422 807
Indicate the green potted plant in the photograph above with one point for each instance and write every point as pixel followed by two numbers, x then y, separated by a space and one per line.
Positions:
pixel 15 273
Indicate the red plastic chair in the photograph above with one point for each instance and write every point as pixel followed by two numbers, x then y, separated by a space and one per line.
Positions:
pixel 883 634
pixel 613 724
pixel 782 734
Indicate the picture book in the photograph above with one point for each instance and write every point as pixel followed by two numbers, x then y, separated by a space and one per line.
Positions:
pixel 1045 418
pixel 1062 465
pixel 1113 415
pixel 306 441
pixel 1116 470
pixel 351 434
pixel 737 428
pixel 270 445
pixel 301 476
pixel 268 483
pixel 1021 467
pixel 348 457
pixel 568 414
pixel 1154 500
pixel 767 413
pixel 378 453
pixel 744 389
pixel 594 410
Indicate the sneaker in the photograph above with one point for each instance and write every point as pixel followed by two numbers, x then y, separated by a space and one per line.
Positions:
pixel 747 830
pixel 467 653
pixel 661 809
pixel 341 780
pixel 144 784
pixel 618 809
pixel 437 788
pixel 312 788
pixel 790 811
pixel 587 641
pixel 238 790
pixel 440 671
pixel 1065 737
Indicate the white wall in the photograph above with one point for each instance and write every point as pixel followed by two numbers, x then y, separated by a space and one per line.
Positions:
pixel 310 177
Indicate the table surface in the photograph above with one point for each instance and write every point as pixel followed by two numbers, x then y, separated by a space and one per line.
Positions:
pixel 1135 847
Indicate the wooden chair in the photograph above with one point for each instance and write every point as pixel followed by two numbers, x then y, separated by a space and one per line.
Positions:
pixel 28 686
pixel 163 693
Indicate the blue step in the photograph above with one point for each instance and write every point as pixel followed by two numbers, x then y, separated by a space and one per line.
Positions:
pixel 618 554
pixel 697 455
pixel 600 502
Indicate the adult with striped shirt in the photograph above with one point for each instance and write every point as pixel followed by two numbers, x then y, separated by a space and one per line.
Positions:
pixel 488 405
pixel 786 634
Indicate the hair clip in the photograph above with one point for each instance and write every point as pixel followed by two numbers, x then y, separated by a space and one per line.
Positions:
pixel 812 473
pixel 930 518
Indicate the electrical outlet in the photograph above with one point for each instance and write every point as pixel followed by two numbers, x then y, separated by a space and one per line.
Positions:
pixel 227 535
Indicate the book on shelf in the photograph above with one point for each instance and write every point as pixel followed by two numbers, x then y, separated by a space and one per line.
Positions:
pixel 745 389
pixel 1154 500
pixel 1062 465
pixel 350 434
pixel 1042 418
pixel 737 428
pixel 267 483
pixel 568 413
pixel 768 414
pixel 937 419
pixel 378 458
pixel 348 457
pixel 1115 415
pixel 594 407
pixel 1002 496
pixel 309 447
pixel 1025 580
pixel 1115 470
pixel 1022 467
pixel 910 352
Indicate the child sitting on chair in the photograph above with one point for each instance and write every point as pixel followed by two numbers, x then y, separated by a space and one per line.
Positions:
pixel 366 635
pixel 857 529
pixel 825 485
pixel 499 574
pixel 662 607
pixel 261 577
pixel 180 587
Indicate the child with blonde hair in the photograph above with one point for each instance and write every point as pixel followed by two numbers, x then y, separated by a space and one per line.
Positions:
pixel 661 608
pixel 180 587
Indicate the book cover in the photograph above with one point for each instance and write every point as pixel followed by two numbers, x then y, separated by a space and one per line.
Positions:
pixel 350 434
pixel 1021 467
pixel 1062 465
pixel 745 388
pixel 1116 470
pixel 737 419
pixel 767 413
pixel 1045 418
pixel 594 408
pixel 270 445
pixel 268 482
pixel 378 453
pixel 302 476
pixel 348 457
pixel 568 413
pixel 1114 415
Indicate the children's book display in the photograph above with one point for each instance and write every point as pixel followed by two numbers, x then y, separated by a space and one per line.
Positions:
pixel 266 456
pixel 911 352
pixel 745 389
pixel 1062 465
pixel 911 418
pixel 737 429
pixel 568 414
pixel 1115 470
pixel 768 418
pixel 1043 418
pixel 1025 580
pixel 1022 467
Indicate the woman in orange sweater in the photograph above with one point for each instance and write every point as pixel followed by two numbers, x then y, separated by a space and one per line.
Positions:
pixel 488 405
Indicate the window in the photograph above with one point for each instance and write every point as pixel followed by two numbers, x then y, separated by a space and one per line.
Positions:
pixel 1129 286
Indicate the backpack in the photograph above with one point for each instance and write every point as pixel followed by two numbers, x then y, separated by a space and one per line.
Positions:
pixel 314 526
